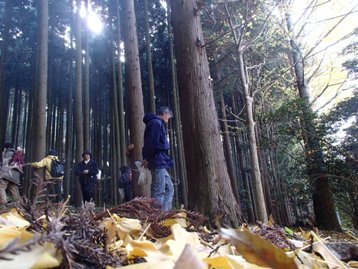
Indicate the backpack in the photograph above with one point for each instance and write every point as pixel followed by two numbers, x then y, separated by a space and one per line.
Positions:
pixel 57 168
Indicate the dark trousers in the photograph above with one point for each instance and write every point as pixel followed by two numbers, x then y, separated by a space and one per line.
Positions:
pixel 128 194
pixel 88 191
pixel 54 190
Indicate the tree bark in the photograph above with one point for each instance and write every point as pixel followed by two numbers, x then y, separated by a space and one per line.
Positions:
pixel 122 130
pixel 241 156
pixel 86 91
pixel 260 207
pixel 148 51
pixel 40 103
pixel 177 120
pixel 3 60
pixel 227 148
pixel 78 101
pixel 209 185
pixel 134 90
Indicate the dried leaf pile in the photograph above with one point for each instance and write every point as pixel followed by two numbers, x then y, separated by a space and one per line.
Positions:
pixel 137 235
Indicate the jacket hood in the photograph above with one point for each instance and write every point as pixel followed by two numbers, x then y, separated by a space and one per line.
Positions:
pixel 150 116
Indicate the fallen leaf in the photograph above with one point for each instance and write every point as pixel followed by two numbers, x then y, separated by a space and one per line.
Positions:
pixel 257 250
pixel 188 260
pixel 330 259
pixel 38 257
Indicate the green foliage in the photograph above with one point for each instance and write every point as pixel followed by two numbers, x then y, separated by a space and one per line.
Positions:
pixel 342 157
pixel 351 51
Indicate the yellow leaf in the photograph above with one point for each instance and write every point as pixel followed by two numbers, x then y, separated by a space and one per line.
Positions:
pixel 110 227
pixel 148 265
pixel 179 218
pixel 126 226
pixel 188 260
pixel 258 251
pixel 141 248
pixel 221 262
pixel 307 260
pixel 353 264
pixel 270 221
pixel 180 234
pixel 39 257
pixel 331 260
pixel 13 218
pixel 9 233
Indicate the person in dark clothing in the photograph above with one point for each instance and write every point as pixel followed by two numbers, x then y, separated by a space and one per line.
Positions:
pixel 86 170
pixel 156 156
pixel 125 182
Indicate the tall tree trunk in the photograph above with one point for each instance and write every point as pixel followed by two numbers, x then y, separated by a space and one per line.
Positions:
pixel 260 207
pixel 204 153
pixel 148 51
pixel 227 148
pixel 86 91
pixel 15 114
pixel 115 148
pixel 69 177
pixel 259 197
pixel 323 203
pixel 177 119
pixel 78 122
pixel 122 130
pixel 241 157
pixel 134 89
pixel 3 60
pixel 39 136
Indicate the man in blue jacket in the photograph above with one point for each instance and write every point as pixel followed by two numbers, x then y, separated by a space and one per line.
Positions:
pixel 156 156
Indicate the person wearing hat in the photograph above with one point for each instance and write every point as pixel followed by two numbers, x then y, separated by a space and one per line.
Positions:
pixel 86 170
pixel 156 157
pixel 54 184
pixel 9 176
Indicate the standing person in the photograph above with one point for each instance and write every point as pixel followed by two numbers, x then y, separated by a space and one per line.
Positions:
pixel 86 170
pixel 10 176
pixel 54 183
pixel 156 156
pixel 125 182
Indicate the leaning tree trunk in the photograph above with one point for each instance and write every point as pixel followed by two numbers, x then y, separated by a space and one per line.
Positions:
pixel 208 181
pixel 323 203
pixel 39 136
pixel 78 121
pixel 134 89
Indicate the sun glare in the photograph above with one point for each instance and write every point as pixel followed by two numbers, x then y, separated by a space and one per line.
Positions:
pixel 93 20
pixel 94 23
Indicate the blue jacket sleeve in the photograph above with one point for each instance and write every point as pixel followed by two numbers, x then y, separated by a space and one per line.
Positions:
pixel 151 139
pixel 93 169
pixel 79 169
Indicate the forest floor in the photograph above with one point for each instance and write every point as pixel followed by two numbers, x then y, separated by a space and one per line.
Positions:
pixel 137 235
